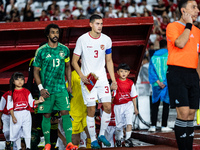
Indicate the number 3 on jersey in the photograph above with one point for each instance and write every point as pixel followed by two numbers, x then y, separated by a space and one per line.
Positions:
pixel 56 62
pixel 95 53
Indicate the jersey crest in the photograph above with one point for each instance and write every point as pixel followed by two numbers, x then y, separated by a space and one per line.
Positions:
pixel 102 47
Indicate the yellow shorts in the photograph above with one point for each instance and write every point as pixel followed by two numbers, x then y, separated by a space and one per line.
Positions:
pixel 78 124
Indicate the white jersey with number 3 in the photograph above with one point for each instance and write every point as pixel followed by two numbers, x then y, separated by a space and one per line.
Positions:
pixel 92 52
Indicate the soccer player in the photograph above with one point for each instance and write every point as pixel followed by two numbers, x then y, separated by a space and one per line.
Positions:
pixel 53 59
pixel 94 48
pixel 183 40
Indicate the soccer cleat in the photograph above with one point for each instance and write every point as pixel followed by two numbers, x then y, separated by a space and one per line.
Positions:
pixel 47 147
pixel 103 139
pixel 28 149
pixel 8 145
pixel 128 143
pixel 118 143
pixel 70 146
pixel 95 145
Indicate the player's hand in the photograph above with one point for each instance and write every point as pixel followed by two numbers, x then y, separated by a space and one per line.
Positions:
pixel 41 99
pixel 136 112
pixel 14 120
pixel 44 93
pixel 114 86
pixel 187 17
pixel 69 89
pixel 161 85
pixel 85 80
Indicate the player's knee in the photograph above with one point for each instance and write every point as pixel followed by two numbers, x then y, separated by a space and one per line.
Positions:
pixel 107 107
pixel 75 139
pixel 91 111
pixel 64 112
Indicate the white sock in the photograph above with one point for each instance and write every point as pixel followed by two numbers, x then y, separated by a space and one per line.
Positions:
pixel 7 135
pixel 105 120
pixel 119 134
pixel 128 134
pixel 28 142
pixel 18 143
pixel 91 128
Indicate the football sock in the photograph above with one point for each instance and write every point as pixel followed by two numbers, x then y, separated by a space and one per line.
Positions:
pixel 190 134
pixel 105 119
pixel 180 133
pixel 119 134
pixel 28 142
pixel 18 143
pixel 7 135
pixel 46 126
pixel 91 128
pixel 128 134
pixel 67 127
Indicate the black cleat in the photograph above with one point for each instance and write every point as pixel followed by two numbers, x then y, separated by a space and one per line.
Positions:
pixel 8 145
pixel 118 143
pixel 129 143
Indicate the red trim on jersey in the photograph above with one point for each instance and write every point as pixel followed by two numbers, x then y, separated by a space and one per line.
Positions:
pixel 93 37
pixel 10 109
pixel 1 110
pixel 76 54
pixel 134 97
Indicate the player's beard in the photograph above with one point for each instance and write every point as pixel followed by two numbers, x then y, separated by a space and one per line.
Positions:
pixel 53 41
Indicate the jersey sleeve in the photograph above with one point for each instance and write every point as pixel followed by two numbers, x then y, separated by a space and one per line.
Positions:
pixel 109 46
pixel 9 103
pixel 31 101
pixel 38 60
pixel 172 33
pixel 133 92
pixel 2 103
pixel 78 49
pixel 67 57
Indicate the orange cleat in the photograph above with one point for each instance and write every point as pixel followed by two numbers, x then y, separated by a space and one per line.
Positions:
pixel 47 147
pixel 70 146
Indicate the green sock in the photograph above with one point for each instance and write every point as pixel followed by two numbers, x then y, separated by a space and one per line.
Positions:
pixel 67 127
pixel 46 126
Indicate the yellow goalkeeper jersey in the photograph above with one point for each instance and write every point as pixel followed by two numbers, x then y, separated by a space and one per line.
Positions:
pixel 77 106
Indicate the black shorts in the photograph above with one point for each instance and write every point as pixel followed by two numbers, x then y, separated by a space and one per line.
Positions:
pixel 183 86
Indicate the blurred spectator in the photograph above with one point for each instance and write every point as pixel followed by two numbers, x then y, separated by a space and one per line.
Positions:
pixel 67 15
pixel 56 15
pixel 160 8
pixel 44 16
pixel 110 13
pixel 52 8
pixel 28 13
pixel 144 7
pixel 81 16
pixel 14 15
pixel 1 11
pixel 66 8
pixel 124 13
pixel 91 8
pixel 10 7
pixel 75 5
pixel 133 8
pixel 164 23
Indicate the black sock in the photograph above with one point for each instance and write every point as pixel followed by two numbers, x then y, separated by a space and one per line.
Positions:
pixel 180 133
pixel 190 134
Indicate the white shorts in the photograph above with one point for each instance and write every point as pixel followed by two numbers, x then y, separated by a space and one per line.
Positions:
pixel 124 114
pixel 23 126
pixel 101 93
pixel 109 134
pixel 6 122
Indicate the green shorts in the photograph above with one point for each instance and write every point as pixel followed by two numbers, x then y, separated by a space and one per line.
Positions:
pixel 57 101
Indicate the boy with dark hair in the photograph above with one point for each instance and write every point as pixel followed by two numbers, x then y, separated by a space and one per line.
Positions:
pixel 125 104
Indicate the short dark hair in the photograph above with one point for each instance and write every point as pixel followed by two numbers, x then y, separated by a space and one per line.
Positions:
pixel 163 43
pixel 123 66
pixel 182 4
pixel 47 29
pixel 93 17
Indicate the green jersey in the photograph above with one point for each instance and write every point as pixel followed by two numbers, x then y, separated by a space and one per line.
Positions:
pixel 52 63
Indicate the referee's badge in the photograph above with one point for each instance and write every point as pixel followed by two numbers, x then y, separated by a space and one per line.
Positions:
pixel 62 54
pixel 41 108
pixel 102 47
pixel 197 47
